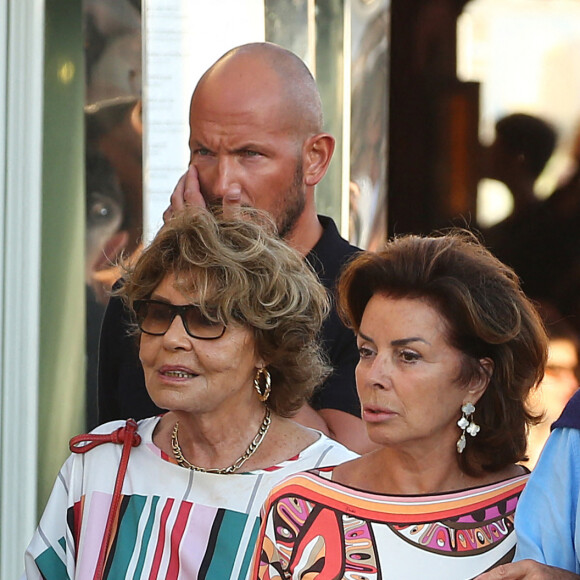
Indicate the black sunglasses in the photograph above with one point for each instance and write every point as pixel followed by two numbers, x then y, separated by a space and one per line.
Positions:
pixel 155 317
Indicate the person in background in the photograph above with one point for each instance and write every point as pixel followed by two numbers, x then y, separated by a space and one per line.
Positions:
pixel 560 381
pixel 227 319
pixel 256 133
pixel 449 349
pixel 539 240
pixel 523 145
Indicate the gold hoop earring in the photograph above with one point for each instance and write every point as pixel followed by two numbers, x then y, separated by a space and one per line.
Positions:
pixel 263 396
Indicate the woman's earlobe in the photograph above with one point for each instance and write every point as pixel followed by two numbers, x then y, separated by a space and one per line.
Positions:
pixel 487 366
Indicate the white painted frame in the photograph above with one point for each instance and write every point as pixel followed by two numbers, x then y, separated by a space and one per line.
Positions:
pixel 21 116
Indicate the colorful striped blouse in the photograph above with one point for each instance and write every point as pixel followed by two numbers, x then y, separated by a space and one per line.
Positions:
pixel 172 523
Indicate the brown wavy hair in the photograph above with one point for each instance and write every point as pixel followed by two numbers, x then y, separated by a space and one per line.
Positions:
pixel 488 316
pixel 240 271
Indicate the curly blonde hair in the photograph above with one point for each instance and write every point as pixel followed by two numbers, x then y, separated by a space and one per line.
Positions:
pixel 240 271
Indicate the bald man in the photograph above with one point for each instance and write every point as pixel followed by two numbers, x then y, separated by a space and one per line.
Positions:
pixel 256 139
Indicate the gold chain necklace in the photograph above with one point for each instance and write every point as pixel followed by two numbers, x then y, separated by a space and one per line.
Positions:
pixel 256 442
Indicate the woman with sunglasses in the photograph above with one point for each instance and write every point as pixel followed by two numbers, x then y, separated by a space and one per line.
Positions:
pixel 227 318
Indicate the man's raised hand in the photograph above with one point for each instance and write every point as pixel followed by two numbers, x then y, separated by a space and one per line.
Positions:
pixel 187 193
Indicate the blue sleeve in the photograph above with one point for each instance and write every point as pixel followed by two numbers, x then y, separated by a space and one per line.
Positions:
pixel 547 519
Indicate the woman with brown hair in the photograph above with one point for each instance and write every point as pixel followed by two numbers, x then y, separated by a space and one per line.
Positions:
pixel 449 349
pixel 227 319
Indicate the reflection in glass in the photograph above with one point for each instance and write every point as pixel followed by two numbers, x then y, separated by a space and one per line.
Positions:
pixel 113 160
pixel 368 165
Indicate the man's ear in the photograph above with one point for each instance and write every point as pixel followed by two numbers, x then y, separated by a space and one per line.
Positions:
pixel 479 384
pixel 316 155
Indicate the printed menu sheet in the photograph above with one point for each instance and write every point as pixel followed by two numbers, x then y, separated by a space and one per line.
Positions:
pixel 181 39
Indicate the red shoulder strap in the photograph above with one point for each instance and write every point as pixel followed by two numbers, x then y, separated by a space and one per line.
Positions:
pixel 128 437
pixel 91 440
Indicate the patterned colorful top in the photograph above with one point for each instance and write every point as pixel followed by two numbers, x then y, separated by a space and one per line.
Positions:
pixel 173 523
pixel 314 527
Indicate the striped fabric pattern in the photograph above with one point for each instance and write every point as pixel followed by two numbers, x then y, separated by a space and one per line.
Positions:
pixel 172 523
